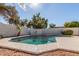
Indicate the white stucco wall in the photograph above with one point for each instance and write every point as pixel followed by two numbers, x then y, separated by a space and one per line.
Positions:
pixel 10 30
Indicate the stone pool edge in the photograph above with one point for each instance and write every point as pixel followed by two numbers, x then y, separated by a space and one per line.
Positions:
pixel 36 49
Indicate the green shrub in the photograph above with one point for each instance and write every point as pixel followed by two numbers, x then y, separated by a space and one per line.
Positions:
pixel 71 24
pixel 67 32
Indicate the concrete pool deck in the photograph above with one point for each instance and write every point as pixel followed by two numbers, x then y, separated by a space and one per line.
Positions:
pixel 68 43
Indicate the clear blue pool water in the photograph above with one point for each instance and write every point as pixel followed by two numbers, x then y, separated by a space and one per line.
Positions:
pixel 35 39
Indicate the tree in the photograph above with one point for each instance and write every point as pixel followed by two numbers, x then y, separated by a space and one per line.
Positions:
pixel 71 24
pixel 9 12
pixel 3 9
pixel 38 22
pixel 52 25
pixel 11 15
pixel 66 24
pixel 24 22
pixel 29 24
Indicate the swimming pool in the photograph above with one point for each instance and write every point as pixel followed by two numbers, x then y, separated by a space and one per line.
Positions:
pixel 34 39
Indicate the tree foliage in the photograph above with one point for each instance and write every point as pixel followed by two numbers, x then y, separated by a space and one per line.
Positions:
pixel 52 25
pixel 71 24
pixel 38 22
pixel 10 13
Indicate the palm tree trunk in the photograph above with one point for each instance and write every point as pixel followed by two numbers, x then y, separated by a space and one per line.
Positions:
pixel 18 34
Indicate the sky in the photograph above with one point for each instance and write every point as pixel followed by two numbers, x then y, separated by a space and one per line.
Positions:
pixel 57 13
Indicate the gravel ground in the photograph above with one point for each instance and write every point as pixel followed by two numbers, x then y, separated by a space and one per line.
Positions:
pixel 9 52
pixel 60 53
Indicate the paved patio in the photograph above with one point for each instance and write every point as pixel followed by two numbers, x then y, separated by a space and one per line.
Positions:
pixel 68 43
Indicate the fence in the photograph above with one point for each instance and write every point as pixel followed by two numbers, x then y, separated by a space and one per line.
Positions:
pixel 10 30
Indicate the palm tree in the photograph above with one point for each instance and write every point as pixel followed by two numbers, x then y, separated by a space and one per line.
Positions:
pixel 3 9
pixel 11 15
pixel 20 24
pixel 9 12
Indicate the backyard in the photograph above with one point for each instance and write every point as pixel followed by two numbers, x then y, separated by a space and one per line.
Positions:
pixel 37 36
